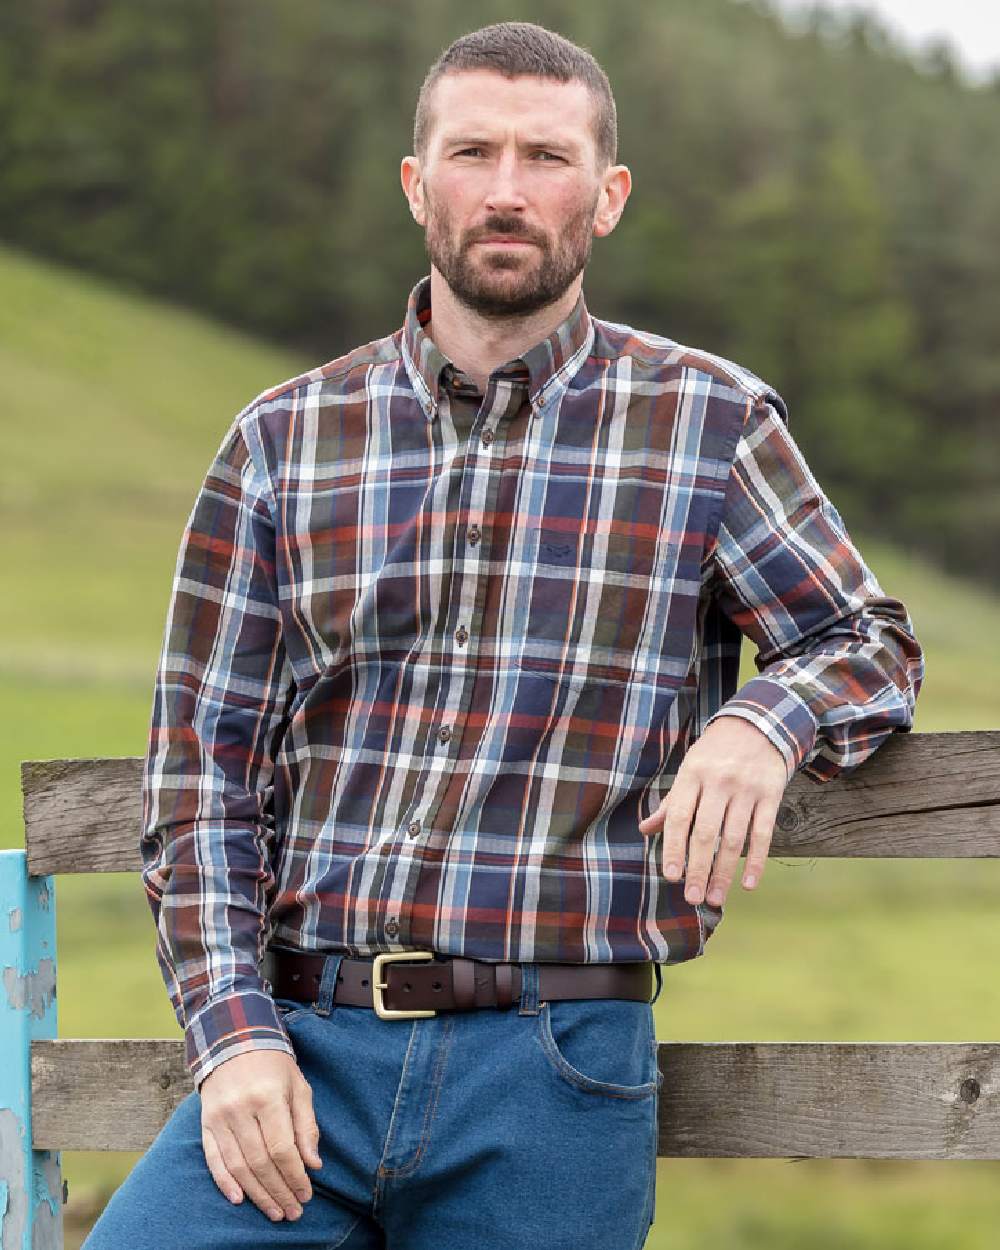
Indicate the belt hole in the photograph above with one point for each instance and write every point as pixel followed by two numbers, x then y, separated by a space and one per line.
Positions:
pixel 436 985
pixel 365 982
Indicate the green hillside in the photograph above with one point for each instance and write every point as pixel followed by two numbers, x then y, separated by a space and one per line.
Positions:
pixel 115 405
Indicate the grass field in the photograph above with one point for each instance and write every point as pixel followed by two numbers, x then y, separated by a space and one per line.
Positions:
pixel 115 406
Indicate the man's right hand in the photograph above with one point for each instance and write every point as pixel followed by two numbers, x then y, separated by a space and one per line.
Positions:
pixel 259 1132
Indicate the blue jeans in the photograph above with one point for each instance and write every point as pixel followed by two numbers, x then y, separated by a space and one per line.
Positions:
pixel 530 1127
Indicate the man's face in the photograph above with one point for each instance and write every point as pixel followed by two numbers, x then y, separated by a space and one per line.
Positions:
pixel 509 189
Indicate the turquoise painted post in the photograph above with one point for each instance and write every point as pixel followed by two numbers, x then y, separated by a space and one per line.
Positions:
pixel 30 1180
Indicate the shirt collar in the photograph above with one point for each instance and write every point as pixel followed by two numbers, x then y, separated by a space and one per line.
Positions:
pixel 551 364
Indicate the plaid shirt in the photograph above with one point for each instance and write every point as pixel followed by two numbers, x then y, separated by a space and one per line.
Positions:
pixel 430 656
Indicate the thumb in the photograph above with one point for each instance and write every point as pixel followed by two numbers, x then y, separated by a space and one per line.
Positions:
pixel 304 1124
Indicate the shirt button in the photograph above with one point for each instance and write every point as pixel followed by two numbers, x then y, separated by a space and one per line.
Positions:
pixel 487 436
pixel 413 828
pixel 392 927
pixel 473 534
pixel 461 634
pixel 444 733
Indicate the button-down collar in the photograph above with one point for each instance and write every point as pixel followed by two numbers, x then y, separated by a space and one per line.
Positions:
pixel 550 364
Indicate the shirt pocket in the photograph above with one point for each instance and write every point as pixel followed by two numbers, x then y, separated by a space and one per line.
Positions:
pixel 593 597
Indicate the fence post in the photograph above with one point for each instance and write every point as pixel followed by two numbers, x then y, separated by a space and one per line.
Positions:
pixel 30 1180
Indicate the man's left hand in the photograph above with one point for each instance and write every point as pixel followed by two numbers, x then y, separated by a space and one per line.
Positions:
pixel 732 773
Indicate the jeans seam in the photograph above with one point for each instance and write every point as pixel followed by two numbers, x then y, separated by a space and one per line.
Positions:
pixel 334 1244
pixel 414 1161
pixel 652 1176
pixel 295 1012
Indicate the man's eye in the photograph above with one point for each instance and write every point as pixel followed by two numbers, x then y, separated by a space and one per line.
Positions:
pixel 549 156
pixel 469 151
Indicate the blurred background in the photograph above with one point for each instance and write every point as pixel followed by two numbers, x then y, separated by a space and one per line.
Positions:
pixel 199 199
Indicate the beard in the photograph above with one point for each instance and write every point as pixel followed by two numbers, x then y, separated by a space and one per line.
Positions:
pixel 500 284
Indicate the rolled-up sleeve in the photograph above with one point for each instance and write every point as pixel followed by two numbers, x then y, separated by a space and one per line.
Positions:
pixel 221 692
pixel 839 666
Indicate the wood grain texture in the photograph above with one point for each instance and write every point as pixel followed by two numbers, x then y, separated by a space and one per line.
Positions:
pixel 920 795
pixel 105 1094
pixel 813 1100
pixel 830 1100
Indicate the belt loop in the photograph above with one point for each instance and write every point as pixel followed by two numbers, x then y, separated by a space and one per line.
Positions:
pixel 328 984
pixel 529 990
pixel 659 982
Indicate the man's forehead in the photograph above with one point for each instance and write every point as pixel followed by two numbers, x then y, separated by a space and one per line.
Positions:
pixel 495 128
pixel 491 103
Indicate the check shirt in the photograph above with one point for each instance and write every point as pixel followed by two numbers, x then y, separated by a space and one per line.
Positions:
pixel 431 655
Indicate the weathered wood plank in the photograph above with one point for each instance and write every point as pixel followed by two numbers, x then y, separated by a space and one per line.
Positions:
pixel 82 815
pixel 931 795
pixel 920 795
pixel 105 1094
pixel 828 1100
pixel 718 1100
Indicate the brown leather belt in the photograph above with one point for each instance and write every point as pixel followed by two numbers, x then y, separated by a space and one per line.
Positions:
pixel 404 984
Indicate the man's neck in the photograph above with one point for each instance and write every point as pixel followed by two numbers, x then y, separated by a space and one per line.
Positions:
pixel 477 345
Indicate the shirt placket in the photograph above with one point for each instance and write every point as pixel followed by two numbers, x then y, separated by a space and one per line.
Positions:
pixel 467 598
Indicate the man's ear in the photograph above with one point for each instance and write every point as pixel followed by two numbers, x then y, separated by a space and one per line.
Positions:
pixel 413 187
pixel 615 187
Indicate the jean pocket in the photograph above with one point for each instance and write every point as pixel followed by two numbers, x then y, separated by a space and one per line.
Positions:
pixel 601 1045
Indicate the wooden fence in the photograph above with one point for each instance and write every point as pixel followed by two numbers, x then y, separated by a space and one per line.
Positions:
pixel 920 796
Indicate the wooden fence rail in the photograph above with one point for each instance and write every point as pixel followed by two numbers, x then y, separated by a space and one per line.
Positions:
pixel 920 796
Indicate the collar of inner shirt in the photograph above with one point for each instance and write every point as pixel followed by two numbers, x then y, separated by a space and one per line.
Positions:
pixel 544 368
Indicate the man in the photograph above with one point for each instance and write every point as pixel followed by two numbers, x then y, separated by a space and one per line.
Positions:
pixel 450 673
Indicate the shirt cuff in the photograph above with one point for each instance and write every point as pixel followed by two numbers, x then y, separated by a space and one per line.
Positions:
pixel 779 713
pixel 230 1026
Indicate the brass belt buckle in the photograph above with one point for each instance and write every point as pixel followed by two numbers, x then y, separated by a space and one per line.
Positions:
pixel 378 985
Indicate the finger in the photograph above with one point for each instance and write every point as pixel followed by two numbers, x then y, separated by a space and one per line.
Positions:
pixel 304 1124
pixel 222 1176
pixel 734 836
pixel 761 833
pixel 705 834
pixel 236 1163
pixel 279 1133
pixel 258 1150
pixel 682 802
pixel 649 824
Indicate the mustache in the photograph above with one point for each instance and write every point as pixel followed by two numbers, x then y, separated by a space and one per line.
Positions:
pixel 512 226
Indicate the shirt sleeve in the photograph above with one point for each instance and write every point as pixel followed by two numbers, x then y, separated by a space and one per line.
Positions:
pixel 839 667
pixel 220 694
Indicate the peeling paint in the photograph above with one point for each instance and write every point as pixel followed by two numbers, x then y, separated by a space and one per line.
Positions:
pixel 48 1177
pixel 31 1196
pixel 37 989
pixel 46 1226
pixel 46 1231
pixel 15 1214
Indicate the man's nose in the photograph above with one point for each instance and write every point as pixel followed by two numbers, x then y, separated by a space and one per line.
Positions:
pixel 505 192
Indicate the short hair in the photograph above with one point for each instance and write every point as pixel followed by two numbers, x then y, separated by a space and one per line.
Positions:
pixel 517 49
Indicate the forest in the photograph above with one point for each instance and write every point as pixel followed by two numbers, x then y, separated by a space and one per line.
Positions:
pixel 815 202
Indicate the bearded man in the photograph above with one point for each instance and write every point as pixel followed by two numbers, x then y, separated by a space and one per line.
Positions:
pixel 447 755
